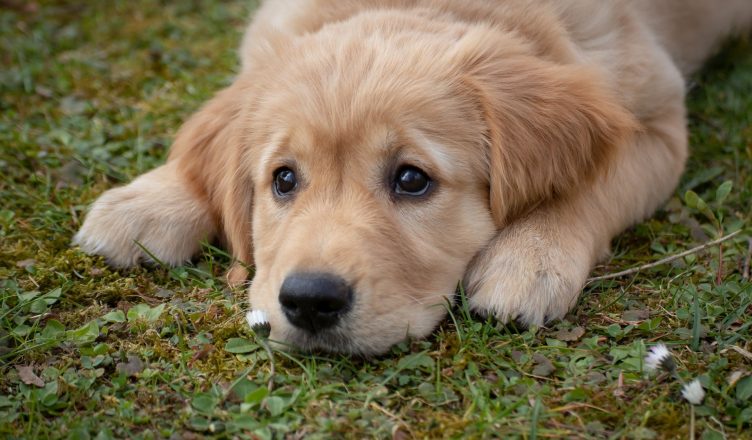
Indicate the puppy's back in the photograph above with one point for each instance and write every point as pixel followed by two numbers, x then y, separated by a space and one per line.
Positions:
pixel 691 30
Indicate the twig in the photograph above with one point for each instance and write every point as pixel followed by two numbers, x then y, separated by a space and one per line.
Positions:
pixel 619 391
pixel 575 405
pixel 74 216
pixel 745 272
pixel 269 385
pixel 660 262
pixel 739 350
pixel 259 323
pixel 400 423
pixel 721 427
pixel 719 273
pixel 272 372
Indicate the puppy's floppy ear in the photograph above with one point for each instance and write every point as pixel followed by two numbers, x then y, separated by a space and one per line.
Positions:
pixel 209 150
pixel 549 125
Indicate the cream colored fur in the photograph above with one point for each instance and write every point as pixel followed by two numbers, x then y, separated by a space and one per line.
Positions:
pixel 138 215
pixel 548 126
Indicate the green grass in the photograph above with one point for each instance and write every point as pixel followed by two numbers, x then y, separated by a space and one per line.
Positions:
pixel 90 95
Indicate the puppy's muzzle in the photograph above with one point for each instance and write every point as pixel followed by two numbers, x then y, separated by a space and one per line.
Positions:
pixel 315 301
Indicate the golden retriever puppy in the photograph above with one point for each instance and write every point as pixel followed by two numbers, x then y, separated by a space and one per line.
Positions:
pixel 372 154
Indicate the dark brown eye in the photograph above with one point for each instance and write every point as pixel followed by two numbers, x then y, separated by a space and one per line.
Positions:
pixel 411 181
pixel 284 181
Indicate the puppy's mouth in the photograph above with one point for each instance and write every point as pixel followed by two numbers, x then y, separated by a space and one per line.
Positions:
pixel 317 307
pixel 322 312
pixel 332 340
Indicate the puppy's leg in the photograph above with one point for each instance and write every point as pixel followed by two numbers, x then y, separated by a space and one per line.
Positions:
pixel 171 209
pixel 158 210
pixel 535 268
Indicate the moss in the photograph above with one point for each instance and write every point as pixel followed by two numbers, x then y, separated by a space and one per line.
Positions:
pixel 91 95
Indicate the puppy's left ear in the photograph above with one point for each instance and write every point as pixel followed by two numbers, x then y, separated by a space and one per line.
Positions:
pixel 550 126
pixel 209 151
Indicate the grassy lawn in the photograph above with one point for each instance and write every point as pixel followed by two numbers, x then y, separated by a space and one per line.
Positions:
pixel 90 95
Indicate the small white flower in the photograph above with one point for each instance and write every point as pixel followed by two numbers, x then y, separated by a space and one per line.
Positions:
pixel 256 317
pixel 259 322
pixel 693 392
pixel 659 357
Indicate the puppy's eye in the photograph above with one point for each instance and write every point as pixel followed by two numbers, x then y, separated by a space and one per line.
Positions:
pixel 411 181
pixel 284 181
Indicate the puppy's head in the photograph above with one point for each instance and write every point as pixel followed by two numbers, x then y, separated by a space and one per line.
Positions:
pixel 380 161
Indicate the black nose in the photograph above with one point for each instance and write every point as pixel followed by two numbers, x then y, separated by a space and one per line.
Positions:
pixel 315 301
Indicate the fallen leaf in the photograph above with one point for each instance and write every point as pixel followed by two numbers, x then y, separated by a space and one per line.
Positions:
pixel 642 433
pixel 695 229
pixel 23 264
pixel 44 92
pixel 164 293
pixel 202 353
pixel 70 174
pixel 596 427
pixel 21 6
pixel 28 377
pixel 543 367
pixel 595 377
pixel 491 376
pixel 734 377
pixel 517 356
pixel 569 335
pixel 400 434
pixel 132 367
pixel 635 315
pixel 124 306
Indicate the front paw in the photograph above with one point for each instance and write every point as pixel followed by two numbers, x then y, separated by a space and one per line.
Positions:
pixel 156 212
pixel 532 272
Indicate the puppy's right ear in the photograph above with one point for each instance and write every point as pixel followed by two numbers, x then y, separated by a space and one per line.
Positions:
pixel 208 150
pixel 550 125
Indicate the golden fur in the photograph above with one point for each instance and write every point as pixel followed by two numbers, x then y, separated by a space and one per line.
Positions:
pixel 547 126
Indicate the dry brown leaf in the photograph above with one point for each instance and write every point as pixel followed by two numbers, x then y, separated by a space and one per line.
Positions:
pixel 23 264
pixel 570 335
pixel 400 434
pixel 544 367
pixel 635 315
pixel 130 368
pixel 26 373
